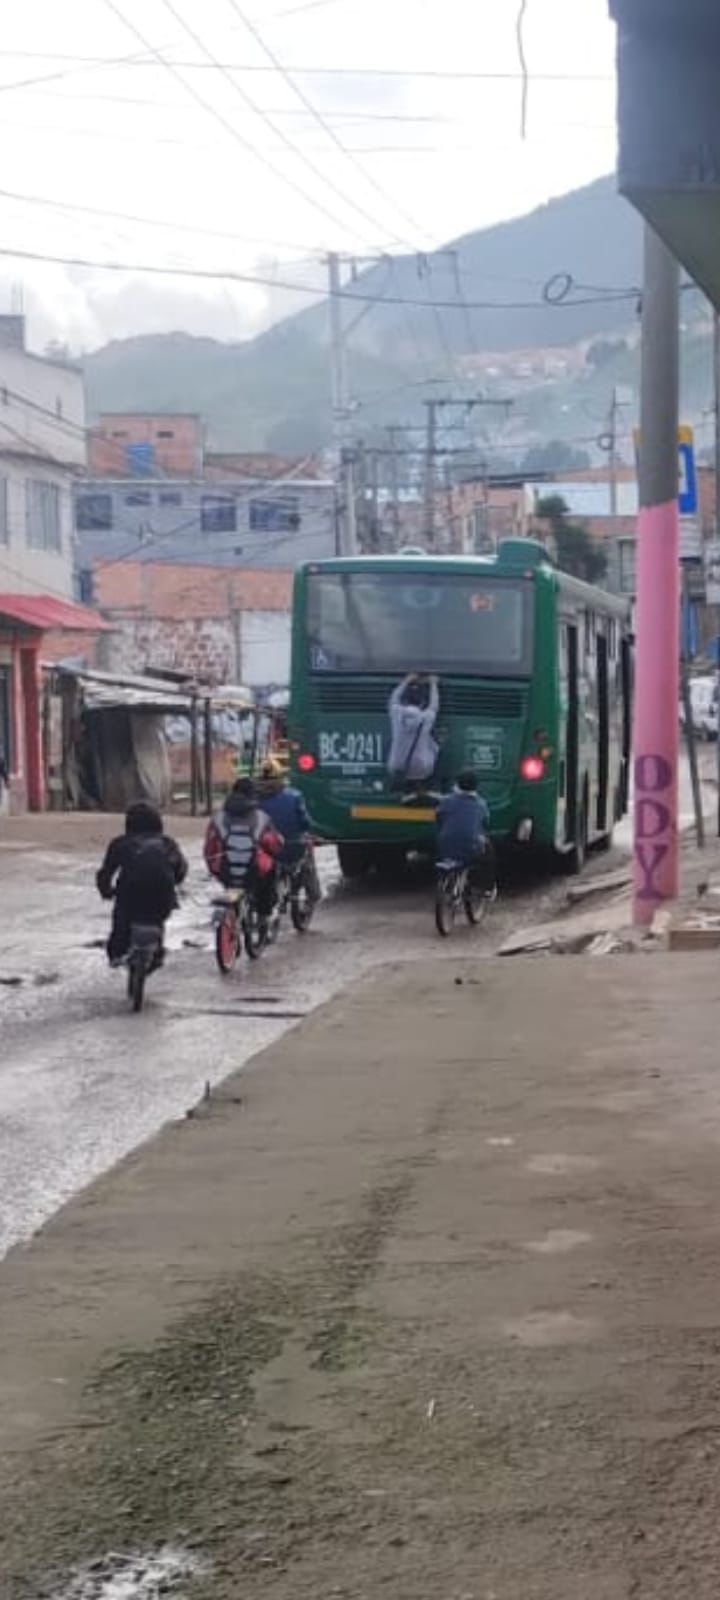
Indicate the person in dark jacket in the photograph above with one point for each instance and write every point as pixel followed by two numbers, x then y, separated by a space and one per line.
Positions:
pixel 288 813
pixel 462 822
pixel 142 870
pixel 241 846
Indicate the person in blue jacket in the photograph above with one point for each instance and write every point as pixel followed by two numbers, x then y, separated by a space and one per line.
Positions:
pixel 288 814
pixel 463 817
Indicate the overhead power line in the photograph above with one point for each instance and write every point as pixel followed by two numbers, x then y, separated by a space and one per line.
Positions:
pixel 294 149
pixel 289 77
pixel 229 275
pixel 197 230
pixel 207 105
pixel 302 69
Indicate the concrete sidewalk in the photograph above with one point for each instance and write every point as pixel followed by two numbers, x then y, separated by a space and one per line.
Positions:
pixel 425 1304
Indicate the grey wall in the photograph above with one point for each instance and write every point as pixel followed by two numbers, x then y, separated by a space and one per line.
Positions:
pixel 160 531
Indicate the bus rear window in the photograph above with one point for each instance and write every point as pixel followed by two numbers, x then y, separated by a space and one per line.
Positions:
pixel 419 622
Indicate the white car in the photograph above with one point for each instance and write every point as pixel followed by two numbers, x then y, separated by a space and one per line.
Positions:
pixel 704 705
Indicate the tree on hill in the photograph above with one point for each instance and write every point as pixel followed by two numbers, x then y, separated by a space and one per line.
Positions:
pixel 575 550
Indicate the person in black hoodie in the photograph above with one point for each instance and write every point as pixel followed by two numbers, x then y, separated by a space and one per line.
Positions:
pixel 142 870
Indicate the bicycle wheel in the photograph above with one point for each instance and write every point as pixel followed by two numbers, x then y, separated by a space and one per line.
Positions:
pixel 302 907
pixel 136 982
pixel 226 941
pixel 254 931
pixel 445 904
pixel 475 902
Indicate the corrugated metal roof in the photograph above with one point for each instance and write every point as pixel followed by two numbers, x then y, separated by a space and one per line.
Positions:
pixel 45 613
pixel 103 690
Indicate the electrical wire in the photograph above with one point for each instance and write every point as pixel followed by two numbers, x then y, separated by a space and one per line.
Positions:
pixel 229 127
pixel 449 74
pixel 196 230
pixel 258 110
pixel 322 122
pixel 231 276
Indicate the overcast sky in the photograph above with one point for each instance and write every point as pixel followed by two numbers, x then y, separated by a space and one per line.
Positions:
pixel 255 180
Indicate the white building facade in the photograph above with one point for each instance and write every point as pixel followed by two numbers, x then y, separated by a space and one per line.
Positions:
pixel 42 450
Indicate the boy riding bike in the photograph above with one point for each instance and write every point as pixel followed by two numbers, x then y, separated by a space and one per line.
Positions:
pixel 462 821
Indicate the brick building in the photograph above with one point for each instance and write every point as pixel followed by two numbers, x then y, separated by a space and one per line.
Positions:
pixel 219 625
pixel 135 444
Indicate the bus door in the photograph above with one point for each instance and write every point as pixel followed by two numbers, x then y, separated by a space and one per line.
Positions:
pixel 570 689
pixel 626 680
pixel 603 730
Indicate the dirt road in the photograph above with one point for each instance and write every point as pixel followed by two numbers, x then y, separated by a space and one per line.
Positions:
pixel 82 1082
pixel 425 1303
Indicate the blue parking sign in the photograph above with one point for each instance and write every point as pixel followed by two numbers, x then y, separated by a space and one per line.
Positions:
pixel 687 475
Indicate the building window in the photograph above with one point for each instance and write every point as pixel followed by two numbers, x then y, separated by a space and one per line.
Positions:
pixel 170 497
pixel 274 516
pixel 218 513
pixel 93 513
pixel 4 524
pixel 119 433
pixel 626 549
pixel 139 497
pixel 42 513
pixel 165 433
pixel 85 586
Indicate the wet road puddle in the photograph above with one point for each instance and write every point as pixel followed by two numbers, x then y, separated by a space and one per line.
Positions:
pixel 133 1576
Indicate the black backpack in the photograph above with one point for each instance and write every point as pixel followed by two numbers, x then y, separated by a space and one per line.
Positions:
pixel 149 881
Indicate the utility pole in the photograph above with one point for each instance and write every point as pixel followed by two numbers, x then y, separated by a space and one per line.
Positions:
pixel 716 401
pixel 343 457
pixel 431 450
pixel 432 407
pixel 613 458
pixel 656 741
pixel 393 433
pixel 375 499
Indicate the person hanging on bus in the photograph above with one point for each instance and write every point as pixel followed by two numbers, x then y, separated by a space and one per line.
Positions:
pixel 413 707
pixel 463 817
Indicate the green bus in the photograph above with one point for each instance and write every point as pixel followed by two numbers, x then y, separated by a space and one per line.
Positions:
pixel 534 673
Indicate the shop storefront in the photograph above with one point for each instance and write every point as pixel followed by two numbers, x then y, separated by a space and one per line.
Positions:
pixel 25 621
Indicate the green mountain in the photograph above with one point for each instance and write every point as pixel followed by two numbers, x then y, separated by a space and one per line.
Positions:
pixel 273 391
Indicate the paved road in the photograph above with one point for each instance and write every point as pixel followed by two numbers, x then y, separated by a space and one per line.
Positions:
pixel 82 1081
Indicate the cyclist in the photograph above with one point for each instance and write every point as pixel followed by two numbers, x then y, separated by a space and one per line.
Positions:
pixel 462 837
pixel 242 846
pixel 288 813
pixel 141 871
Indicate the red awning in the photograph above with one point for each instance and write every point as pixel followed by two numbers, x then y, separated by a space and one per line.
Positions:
pixel 43 612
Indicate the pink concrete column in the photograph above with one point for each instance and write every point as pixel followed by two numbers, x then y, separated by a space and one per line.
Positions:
pixel 656 727
pixel 656 732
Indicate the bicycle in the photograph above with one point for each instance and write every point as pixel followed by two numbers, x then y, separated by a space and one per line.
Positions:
pixel 297 891
pixel 455 892
pixel 144 956
pixel 238 924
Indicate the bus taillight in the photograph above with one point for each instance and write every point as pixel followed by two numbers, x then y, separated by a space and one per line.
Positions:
pixel 306 762
pixel 532 768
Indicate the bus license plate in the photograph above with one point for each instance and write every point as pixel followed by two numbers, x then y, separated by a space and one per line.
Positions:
pixel 350 749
